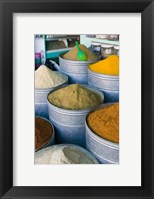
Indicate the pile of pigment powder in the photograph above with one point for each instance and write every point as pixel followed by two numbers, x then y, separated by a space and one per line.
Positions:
pixel 43 132
pixel 105 122
pixel 46 78
pixel 63 154
pixel 72 54
pixel 108 66
pixel 74 97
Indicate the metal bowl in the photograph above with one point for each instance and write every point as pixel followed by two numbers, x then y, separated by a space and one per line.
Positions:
pixel 51 141
pixel 70 124
pixel 105 151
pixel 109 84
pixel 84 151
pixel 41 107
pixel 77 71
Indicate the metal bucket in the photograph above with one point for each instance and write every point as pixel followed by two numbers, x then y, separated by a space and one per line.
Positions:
pixel 107 83
pixel 41 107
pixel 50 141
pixel 70 124
pixel 76 70
pixel 105 151
pixel 61 146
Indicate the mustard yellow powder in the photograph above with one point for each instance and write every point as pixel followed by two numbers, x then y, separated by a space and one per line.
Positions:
pixel 108 66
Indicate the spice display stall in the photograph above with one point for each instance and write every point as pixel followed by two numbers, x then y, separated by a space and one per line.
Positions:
pixel 81 102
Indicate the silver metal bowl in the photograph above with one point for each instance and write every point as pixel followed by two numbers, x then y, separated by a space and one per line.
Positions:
pixel 51 141
pixel 77 71
pixel 70 124
pixel 59 146
pixel 105 151
pixel 107 83
pixel 41 107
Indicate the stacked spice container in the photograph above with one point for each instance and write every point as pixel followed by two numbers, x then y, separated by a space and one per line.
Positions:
pixel 104 75
pixel 102 133
pixel 102 124
pixel 68 107
pixel 75 69
pixel 45 81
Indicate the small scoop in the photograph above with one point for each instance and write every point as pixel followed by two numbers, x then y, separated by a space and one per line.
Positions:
pixel 81 55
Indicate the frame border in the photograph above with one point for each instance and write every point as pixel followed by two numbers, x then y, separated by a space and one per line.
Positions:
pixel 7 8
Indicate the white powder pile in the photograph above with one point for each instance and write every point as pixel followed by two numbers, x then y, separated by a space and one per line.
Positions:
pixel 46 78
pixel 63 155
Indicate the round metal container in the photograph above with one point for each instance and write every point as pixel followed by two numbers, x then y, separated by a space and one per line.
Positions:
pixel 113 37
pixel 70 124
pixel 107 50
pixel 59 146
pixel 107 83
pixel 116 50
pixel 41 107
pixel 51 141
pixel 76 70
pixel 105 151
pixel 96 48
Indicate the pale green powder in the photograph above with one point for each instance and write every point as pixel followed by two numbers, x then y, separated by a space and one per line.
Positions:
pixel 74 97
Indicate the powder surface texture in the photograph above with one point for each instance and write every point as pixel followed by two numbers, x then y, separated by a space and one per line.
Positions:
pixel 72 54
pixel 46 78
pixel 108 66
pixel 105 122
pixel 43 132
pixel 63 155
pixel 74 97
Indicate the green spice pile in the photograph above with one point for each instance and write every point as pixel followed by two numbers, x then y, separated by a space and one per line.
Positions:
pixel 72 54
pixel 74 97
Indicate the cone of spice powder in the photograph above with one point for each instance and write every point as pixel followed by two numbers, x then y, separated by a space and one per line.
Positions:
pixel 72 54
pixel 74 97
pixel 44 133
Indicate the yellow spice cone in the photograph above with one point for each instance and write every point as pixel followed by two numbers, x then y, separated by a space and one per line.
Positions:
pixel 108 66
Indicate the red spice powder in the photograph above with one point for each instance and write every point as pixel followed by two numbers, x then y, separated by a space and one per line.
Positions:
pixel 43 132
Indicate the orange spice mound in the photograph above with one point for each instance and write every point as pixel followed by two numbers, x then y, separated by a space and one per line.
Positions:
pixel 105 122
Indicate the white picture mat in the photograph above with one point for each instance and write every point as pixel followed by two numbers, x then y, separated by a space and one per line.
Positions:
pixel 128 172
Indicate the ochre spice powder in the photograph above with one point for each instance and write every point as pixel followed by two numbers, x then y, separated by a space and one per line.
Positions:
pixel 43 132
pixel 74 97
pixel 105 122
pixel 72 54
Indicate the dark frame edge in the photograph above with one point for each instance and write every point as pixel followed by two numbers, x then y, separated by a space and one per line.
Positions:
pixel 147 85
pixel 8 191
pixel 1 181
pixel 152 52
pixel 6 97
